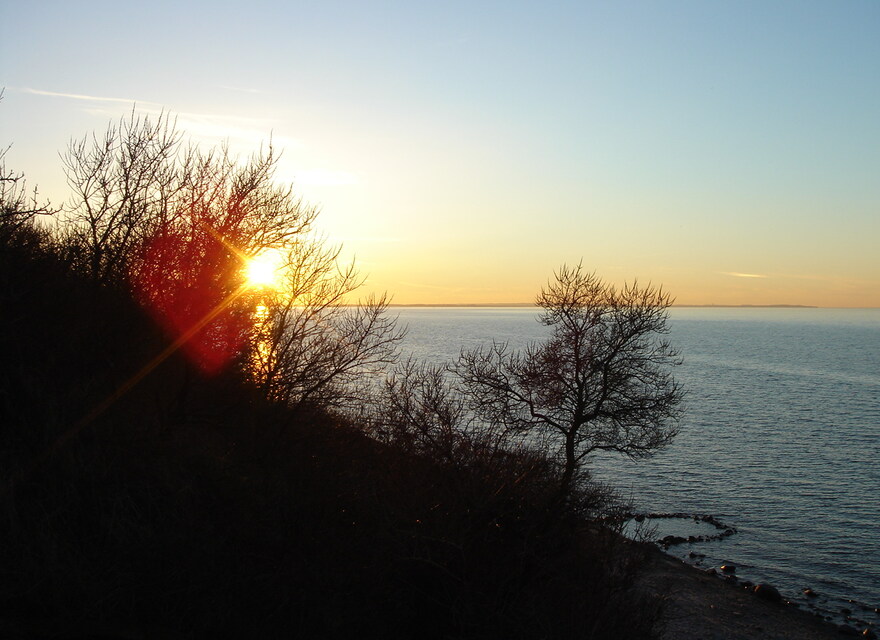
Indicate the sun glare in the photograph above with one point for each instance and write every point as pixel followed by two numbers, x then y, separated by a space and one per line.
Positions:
pixel 262 271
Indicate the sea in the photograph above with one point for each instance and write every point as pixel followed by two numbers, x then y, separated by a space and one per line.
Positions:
pixel 780 441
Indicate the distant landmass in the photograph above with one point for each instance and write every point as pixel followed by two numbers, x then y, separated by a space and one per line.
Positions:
pixel 749 306
pixel 464 304
pixel 690 306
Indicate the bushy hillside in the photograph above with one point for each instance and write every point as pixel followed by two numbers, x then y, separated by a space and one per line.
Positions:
pixel 143 496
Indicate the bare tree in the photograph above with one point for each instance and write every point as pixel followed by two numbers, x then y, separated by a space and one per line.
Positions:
pixel 123 185
pixel 419 411
pixel 601 382
pixel 179 224
pixel 218 215
pixel 140 181
pixel 310 345
pixel 18 204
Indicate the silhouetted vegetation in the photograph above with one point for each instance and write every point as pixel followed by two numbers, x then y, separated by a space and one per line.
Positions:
pixel 601 382
pixel 145 494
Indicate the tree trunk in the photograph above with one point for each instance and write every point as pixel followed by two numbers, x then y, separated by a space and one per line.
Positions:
pixel 570 465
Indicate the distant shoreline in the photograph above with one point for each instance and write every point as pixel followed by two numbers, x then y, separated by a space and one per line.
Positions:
pixel 495 305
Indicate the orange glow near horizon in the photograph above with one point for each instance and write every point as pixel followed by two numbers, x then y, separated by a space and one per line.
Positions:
pixel 417 284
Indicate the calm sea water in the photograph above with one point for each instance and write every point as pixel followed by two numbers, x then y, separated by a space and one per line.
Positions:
pixel 781 439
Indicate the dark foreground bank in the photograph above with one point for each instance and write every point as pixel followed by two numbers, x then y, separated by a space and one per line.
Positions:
pixel 169 503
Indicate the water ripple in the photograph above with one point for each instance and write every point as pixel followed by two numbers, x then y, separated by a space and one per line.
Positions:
pixel 782 436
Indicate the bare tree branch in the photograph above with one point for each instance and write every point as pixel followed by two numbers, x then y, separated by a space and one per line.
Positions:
pixel 601 382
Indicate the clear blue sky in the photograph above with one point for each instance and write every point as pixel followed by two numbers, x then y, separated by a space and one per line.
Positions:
pixel 462 151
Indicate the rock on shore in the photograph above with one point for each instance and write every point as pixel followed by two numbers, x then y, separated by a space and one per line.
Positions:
pixel 703 606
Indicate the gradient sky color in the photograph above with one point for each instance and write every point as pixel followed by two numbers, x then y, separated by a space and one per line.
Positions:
pixel 462 151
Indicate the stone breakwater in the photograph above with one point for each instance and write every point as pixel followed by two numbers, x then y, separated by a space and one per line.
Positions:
pixel 724 530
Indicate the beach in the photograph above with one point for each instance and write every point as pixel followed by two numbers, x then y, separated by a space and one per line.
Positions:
pixel 700 606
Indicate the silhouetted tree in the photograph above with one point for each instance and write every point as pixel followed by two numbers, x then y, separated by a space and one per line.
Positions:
pixel 600 382
pixel 419 410
pixel 139 182
pixel 19 205
pixel 310 345
pixel 179 224
pixel 124 186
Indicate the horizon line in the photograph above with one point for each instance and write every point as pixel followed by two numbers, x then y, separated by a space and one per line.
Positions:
pixel 692 306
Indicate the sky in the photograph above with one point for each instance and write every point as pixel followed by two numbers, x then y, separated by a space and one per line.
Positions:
pixel 462 151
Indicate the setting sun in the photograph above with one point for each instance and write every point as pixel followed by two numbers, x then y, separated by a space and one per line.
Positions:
pixel 263 270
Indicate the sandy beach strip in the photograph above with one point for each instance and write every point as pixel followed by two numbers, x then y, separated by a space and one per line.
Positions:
pixel 706 607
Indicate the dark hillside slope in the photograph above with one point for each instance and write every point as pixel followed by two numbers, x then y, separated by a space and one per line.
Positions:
pixel 192 508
